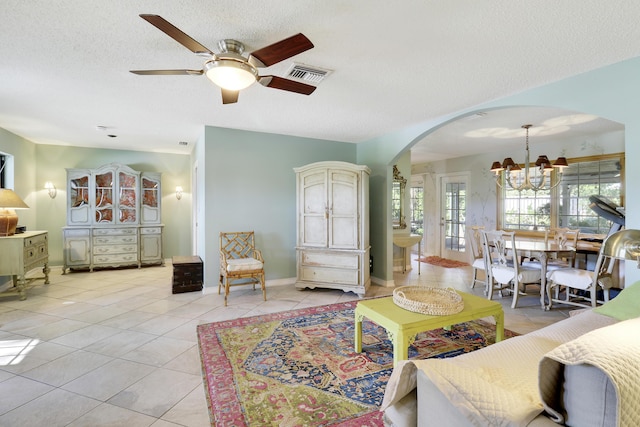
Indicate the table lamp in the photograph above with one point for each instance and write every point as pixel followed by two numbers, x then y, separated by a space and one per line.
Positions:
pixel 9 201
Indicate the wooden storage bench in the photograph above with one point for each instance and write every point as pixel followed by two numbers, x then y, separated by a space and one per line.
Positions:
pixel 187 274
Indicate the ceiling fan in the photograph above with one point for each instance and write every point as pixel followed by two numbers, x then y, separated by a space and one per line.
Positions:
pixel 230 70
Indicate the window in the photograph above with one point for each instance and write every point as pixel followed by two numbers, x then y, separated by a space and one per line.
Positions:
pixel 455 215
pixel 3 170
pixel 568 204
pixel 417 210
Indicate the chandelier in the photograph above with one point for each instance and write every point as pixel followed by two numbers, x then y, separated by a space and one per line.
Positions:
pixel 519 179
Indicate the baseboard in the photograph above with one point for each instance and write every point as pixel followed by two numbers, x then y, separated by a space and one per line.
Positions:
pixel 268 283
pixel 385 283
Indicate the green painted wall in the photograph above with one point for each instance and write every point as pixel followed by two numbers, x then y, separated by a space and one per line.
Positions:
pixel 35 164
pixel 249 184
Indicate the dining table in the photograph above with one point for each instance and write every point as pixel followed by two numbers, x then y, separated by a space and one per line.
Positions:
pixel 543 252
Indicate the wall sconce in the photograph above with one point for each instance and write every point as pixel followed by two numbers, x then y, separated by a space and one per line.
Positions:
pixel 51 189
pixel 179 192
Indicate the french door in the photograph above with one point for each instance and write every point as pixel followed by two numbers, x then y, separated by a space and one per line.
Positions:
pixel 453 212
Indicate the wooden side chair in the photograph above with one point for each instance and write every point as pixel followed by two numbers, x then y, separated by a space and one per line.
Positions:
pixel 582 287
pixel 506 273
pixel 240 262
pixel 563 237
pixel 474 239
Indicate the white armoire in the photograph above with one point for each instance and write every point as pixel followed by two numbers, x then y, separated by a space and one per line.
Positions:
pixel 333 248
pixel 113 218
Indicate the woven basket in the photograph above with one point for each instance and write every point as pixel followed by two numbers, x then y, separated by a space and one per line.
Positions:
pixel 426 300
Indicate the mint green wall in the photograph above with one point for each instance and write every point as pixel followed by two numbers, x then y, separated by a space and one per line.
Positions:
pixel 35 164
pixel 611 92
pixel 249 184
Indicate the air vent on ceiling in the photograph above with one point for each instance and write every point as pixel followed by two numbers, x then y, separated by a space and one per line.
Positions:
pixel 307 74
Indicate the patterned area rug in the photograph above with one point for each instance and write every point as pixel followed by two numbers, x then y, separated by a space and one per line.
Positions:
pixel 298 368
pixel 443 262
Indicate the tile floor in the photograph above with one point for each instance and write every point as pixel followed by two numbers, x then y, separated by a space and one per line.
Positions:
pixel 116 348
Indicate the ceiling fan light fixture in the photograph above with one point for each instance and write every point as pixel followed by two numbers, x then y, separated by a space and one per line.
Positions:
pixel 230 74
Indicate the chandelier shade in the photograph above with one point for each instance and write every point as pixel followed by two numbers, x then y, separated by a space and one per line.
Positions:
pixel 520 179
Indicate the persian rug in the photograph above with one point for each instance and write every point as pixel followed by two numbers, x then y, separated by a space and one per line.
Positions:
pixel 299 368
pixel 443 262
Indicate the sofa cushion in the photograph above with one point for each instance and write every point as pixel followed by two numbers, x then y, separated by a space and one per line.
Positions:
pixel 581 381
pixel 625 306
pixel 588 397
pixel 243 264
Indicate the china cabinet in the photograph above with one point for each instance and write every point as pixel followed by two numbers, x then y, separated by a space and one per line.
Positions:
pixel 113 218
pixel 333 226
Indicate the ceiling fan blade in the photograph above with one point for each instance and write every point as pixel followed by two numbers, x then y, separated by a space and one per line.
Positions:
pixel 280 51
pixel 229 96
pixel 167 72
pixel 276 82
pixel 176 34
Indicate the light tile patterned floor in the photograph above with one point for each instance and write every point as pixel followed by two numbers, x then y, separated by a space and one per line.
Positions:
pixel 117 348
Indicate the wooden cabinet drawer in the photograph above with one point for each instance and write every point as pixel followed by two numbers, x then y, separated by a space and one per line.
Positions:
pixel 150 230
pixel 79 232
pixel 35 240
pixel 131 258
pixel 330 259
pixel 115 231
pixel 114 240
pixel 115 249
pixel 329 275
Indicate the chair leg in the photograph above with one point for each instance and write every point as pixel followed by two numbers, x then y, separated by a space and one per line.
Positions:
pixel 516 294
pixel 264 289
pixel 474 277
pixel 220 284
pixel 226 291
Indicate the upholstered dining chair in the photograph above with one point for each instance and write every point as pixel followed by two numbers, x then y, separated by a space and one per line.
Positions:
pixel 562 237
pixel 474 238
pixel 579 287
pixel 506 272
pixel 240 262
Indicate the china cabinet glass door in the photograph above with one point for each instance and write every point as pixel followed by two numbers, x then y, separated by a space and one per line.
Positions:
pixel 78 200
pixel 104 198
pixel 150 199
pixel 127 205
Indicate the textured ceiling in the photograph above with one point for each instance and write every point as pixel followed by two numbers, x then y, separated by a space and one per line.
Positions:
pixel 64 65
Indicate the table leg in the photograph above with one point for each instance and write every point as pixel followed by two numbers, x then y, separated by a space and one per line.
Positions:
pixel 543 279
pixel 358 331
pixel 499 318
pixel 46 271
pixel 21 285
pixel 400 346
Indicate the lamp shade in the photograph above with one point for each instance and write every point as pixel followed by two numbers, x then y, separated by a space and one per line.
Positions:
pixel 9 201
pixel 496 167
pixel 561 163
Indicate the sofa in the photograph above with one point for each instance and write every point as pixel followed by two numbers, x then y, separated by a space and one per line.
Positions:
pixel 580 371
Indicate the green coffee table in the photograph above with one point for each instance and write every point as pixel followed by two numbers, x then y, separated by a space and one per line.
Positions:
pixel 402 325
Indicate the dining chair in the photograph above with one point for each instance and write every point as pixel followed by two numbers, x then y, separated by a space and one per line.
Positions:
pixel 563 237
pixel 477 258
pixel 580 287
pixel 240 262
pixel 506 271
